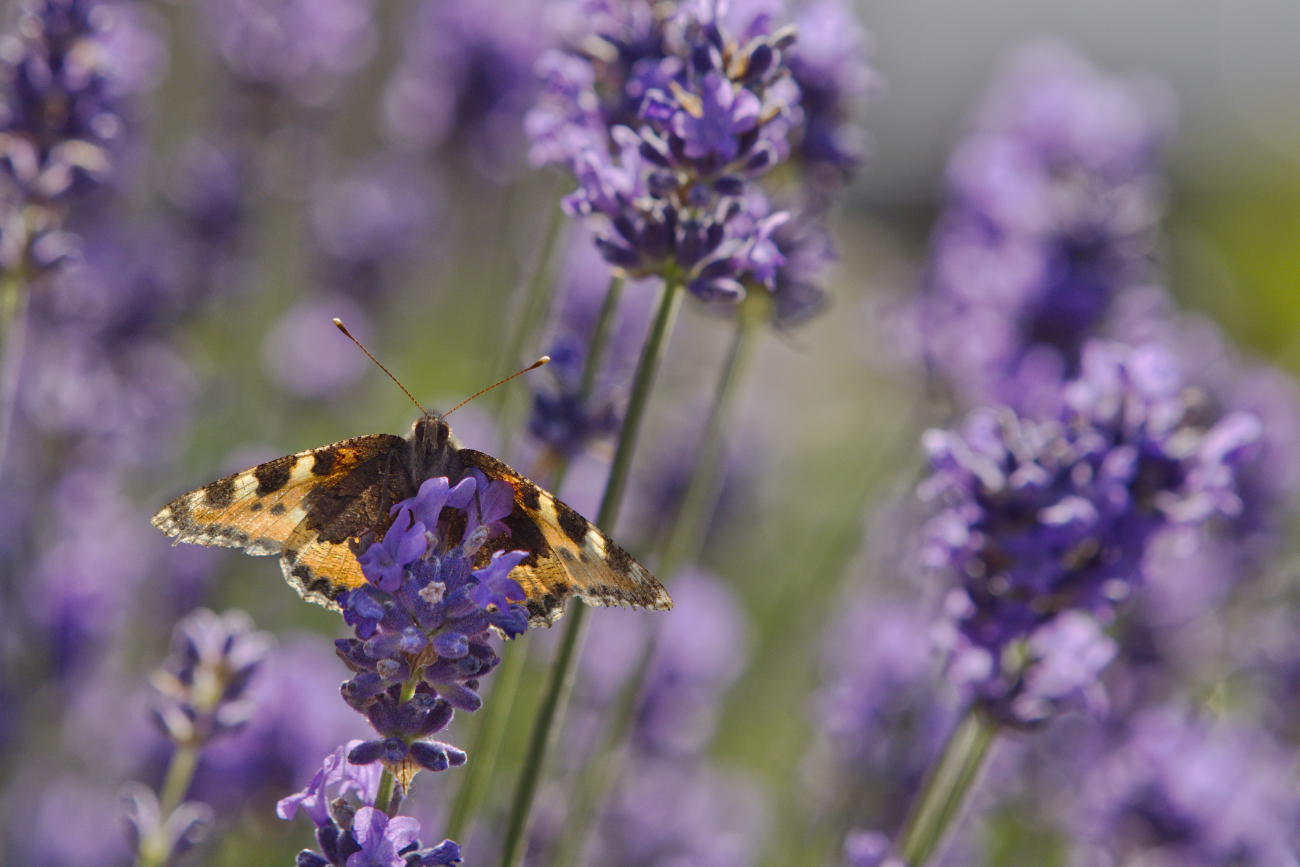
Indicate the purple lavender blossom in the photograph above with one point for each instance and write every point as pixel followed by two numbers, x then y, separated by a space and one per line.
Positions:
pixel 666 122
pixel 424 618
pixel 337 775
pixel 1052 200
pixel 465 75
pixel 1040 517
pixel 358 836
pixel 302 49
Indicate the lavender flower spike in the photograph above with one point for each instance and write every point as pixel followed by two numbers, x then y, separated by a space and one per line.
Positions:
pixel 202 684
pixel 666 137
pixel 1043 517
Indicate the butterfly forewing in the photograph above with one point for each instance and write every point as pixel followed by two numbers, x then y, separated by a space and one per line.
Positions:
pixel 302 506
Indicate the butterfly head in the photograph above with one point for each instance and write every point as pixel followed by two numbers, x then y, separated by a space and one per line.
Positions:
pixel 432 445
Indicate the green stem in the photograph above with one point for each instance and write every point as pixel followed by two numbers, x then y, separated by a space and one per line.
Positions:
pixel 686 536
pixel 600 335
pixel 536 294
pixel 13 329
pixel 177 782
pixel 486 746
pixel 947 790
pixel 560 679
pixel 154 849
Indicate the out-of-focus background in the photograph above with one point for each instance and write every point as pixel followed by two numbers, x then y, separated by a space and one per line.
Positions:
pixel 367 161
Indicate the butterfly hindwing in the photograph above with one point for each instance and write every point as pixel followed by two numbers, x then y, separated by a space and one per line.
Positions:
pixel 303 507
pixel 567 554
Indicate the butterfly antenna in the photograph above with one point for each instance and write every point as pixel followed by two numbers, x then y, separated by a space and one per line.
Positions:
pixel 338 323
pixel 536 364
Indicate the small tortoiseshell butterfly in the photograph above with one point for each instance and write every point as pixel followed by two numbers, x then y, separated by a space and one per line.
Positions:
pixel 306 506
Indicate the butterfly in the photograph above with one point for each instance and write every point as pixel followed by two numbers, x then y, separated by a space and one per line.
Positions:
pixel 305 508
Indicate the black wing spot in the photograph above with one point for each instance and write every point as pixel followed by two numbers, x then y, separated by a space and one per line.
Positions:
pixel 274 475
pixel 323 462
pixel 530 494
pixel 256 507
pixel 277 509
pixel 220 494
pixel 619 560
pixel 571 523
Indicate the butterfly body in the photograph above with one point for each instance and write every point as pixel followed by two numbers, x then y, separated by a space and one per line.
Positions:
pixel 306 507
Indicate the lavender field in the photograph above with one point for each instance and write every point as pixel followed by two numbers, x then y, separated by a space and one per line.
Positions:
pixel 938 363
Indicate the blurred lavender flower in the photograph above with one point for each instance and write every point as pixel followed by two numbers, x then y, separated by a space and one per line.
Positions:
pixel 203 683
pixel 372 222
pixel 424 619
pixel 298 718
pixel 1180 790
pixel 665 120
pixel 829 64
pixel 1053 196
pixel 682 812
pixel 302 49
pixel 697 654
pixel 1040 517
pixel 465 75
pixel 868 849
pixel 306 356
pixel 159 839
pixel 63 821
pixel 202 688
pixel 69 69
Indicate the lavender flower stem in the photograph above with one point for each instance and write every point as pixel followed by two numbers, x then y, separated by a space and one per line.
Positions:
pixel 534 301
pixel 685 538
pixel 686 535
pixel 13 318
pixel 494 715
pixel 948 787
pixel 560 680
pixel 154 848
pixel 600 336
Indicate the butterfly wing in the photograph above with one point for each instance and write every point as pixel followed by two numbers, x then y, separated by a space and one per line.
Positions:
pixel 303 507
pixel 567 554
